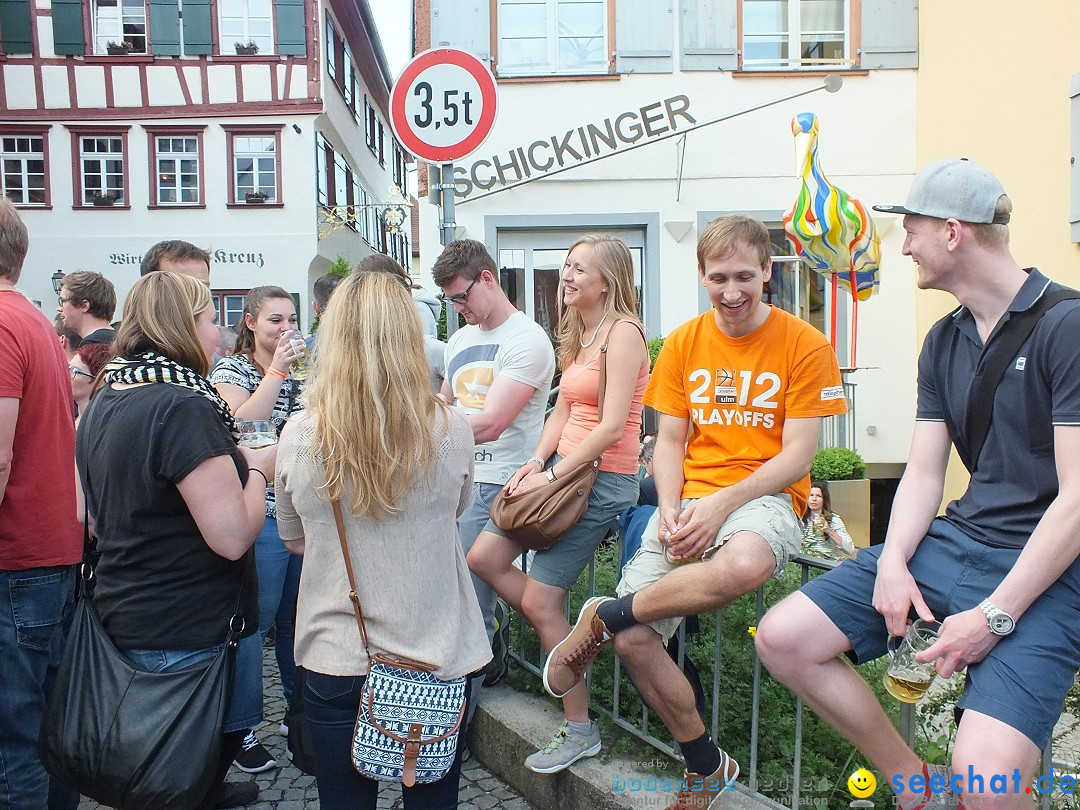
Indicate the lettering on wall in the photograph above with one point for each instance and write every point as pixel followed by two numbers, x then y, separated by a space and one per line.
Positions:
pixel 573 146
pixel 217 257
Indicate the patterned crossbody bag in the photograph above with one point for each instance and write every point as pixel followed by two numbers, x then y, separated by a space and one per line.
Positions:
pixel 408 723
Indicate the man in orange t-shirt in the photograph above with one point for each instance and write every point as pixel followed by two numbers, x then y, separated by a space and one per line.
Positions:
pixel 741 392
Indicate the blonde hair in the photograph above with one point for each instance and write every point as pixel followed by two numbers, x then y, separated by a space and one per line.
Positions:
pixel 159 316
pixel 613 258
pixel 371 395
pixel 993 235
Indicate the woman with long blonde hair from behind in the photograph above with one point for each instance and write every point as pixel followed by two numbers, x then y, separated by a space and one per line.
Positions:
pixel 376 438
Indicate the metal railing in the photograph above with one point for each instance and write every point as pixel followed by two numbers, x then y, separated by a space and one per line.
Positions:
pixel 640 726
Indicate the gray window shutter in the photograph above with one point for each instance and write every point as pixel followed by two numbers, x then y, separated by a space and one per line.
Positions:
pixel 15 26
pixel 643 36
pixel 291 30
pixel 67 21
pixel 165 27
pixel 890 34
pixel 464 24
pixel 1074 167
pixel 709 31
pixel 198 38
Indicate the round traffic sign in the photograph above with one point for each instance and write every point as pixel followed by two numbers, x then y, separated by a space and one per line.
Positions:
pixel 443 105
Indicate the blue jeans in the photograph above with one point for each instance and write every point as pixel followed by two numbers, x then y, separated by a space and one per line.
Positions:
pixel 332 702
pixel 279 583
pixel 35 614
pixel 470 524
pixel 246 699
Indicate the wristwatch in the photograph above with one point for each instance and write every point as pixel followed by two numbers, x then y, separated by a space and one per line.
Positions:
pixel 1001 623
pixel 549 473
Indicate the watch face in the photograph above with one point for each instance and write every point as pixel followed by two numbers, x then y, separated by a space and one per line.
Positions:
pixel 1001 624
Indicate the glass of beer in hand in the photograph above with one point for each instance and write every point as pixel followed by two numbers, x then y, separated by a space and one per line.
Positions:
pixel 907 679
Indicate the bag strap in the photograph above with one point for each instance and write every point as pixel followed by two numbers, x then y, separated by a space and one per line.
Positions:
pixel 354 597
pixel 996 358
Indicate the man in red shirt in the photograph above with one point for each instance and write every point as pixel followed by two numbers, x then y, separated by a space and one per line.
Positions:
pixel 40 537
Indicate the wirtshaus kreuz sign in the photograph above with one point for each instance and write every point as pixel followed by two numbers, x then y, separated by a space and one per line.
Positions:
pixel 586 142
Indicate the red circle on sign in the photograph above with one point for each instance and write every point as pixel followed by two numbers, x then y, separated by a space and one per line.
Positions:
pixel 403 87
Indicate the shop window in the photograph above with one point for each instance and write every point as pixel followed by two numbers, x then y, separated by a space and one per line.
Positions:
pixel 245 21
pixel 796 34
pixel 120 22
pixel 539 37
pixel 24 164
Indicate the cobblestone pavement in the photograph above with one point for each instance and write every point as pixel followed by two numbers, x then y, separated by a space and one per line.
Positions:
pixel 286 788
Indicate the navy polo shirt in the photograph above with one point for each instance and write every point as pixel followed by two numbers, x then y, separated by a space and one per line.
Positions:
pixel 1015 479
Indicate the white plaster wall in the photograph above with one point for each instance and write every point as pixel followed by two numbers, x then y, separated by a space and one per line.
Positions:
pixel 54 82
pixel 193 79
pixel 127 91
pixel 867 147
pixel 298 84
pixel 163 86
pixel 221 79
pixel 89 85
pixel 45 33
pixel 267 245
pixel 256 82
pixel 19 86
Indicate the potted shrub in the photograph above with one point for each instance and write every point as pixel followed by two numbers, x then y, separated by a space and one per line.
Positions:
pixel 256 197
pixel 118 48
pixel 248 48
pixel 104 198
pixel 849 489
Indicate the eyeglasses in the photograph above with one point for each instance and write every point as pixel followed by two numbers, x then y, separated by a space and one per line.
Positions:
pixel 75 372
pixel 461 298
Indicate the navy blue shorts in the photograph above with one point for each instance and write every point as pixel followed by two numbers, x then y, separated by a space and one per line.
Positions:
pixel 1023 680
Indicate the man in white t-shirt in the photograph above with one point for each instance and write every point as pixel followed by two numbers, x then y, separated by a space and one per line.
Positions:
pixel 498 372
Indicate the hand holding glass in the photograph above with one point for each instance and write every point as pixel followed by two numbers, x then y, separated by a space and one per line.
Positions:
pixel 907 679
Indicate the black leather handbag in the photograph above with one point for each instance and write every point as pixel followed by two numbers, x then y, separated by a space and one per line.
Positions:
pixel 132 739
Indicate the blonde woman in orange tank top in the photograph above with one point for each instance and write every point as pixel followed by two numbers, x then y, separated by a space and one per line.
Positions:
pixel 598 306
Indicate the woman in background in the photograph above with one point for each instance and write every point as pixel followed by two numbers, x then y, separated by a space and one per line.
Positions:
pixel 824 533
pixel 85 365
pixel 376 438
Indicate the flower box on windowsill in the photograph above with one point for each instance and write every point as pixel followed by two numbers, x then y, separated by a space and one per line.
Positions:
pixel 256 198
pixel 104 201
pixel 119 48
pixel 246 48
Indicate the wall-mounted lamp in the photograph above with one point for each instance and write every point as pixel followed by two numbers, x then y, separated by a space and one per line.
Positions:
pixel 393 216
pixel 57 281
pixel 296 128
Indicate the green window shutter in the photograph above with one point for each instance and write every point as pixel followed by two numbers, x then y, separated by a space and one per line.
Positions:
pixel 165 27
pixel 67 20
pixel 291 30
pixel 15 26
pixel 197 38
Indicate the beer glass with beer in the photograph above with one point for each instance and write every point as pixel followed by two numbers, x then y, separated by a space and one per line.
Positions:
pixel 907 679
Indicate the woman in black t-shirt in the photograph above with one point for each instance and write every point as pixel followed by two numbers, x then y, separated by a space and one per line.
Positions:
pixel 175 508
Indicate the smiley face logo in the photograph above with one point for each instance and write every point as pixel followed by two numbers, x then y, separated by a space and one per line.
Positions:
pixel 861 783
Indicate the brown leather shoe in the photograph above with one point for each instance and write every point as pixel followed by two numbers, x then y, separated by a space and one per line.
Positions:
pixel 699 792
pixel 571 657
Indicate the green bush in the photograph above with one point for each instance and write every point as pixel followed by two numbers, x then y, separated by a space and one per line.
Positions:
pixel 655 345
pixel 837 464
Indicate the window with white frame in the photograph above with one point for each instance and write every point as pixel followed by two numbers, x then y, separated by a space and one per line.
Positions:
pixel 552 36
pixel 341 181
pixel 230 307
pixel 255 166
pixel 369 124
pixel 794 34
pixel 101 164
pixel 347 77
pixel 323 157
pixel 176 160
pixel 121 23
pixel 331 47
pixel 241 22
pixel 22 158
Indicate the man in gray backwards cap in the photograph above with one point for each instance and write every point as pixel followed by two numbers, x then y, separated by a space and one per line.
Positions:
pixel 1000 568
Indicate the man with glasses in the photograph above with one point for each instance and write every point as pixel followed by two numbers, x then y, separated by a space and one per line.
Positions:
pixel 498 373
pixel 87 303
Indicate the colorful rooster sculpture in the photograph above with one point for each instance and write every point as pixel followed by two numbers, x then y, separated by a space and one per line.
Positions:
pixel 830 230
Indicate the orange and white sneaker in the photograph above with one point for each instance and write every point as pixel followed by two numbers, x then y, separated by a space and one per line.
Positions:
pixel 699 792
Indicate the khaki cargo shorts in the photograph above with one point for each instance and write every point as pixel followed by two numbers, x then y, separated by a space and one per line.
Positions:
pixel 771 517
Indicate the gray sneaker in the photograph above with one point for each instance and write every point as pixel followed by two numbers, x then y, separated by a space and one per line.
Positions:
pixel 564 750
